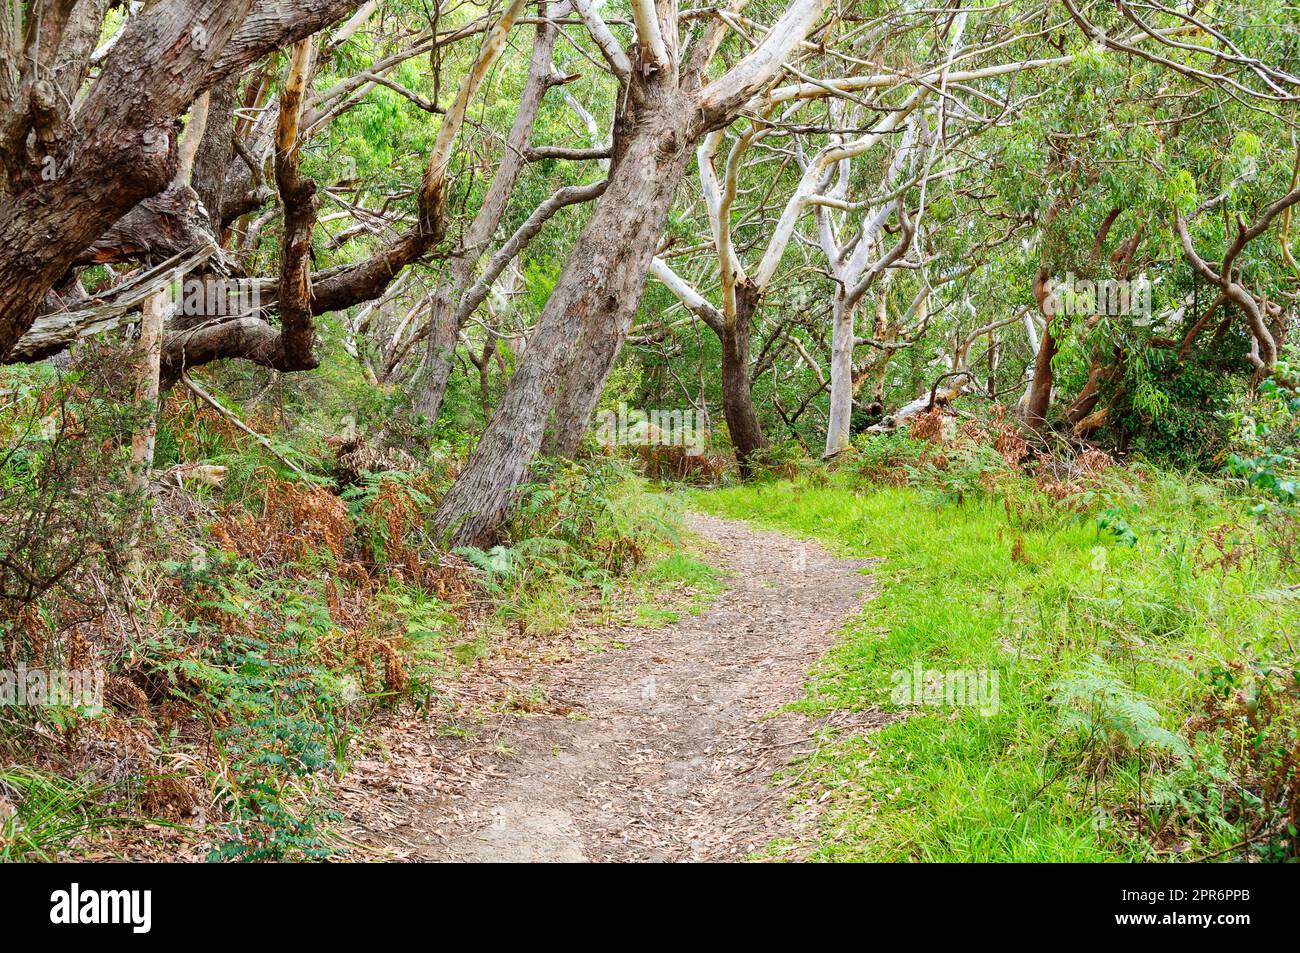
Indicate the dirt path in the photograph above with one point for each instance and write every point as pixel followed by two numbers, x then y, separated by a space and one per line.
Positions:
pixel 665 753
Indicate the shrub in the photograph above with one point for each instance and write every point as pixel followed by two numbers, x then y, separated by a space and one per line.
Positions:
pixel 65 507
pixel 1184 420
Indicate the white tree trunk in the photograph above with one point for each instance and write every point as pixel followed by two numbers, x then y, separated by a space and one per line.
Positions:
pixel 146 391
pixel 841 411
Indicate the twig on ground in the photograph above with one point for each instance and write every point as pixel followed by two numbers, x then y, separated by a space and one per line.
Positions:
pixel 211 401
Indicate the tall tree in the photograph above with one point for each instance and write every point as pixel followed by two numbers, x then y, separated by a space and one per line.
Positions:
pixel 668 108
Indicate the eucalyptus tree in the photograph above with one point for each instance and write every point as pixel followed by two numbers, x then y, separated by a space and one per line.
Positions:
pixel 83 143
pixel 668 105
pixel 252 210
pixel 1166 158
pixel 847 127
pixel 921 153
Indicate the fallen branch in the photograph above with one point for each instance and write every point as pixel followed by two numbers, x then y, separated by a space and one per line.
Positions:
pixel 52 333
pixel 211 401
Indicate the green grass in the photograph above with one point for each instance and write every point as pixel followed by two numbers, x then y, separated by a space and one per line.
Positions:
pixel 47 813
pixel 1047 601
pixel 675 584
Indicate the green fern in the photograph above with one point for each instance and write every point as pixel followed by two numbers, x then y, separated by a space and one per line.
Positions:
pixel 1094 700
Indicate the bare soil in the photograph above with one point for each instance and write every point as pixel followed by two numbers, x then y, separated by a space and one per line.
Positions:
pixel 667 746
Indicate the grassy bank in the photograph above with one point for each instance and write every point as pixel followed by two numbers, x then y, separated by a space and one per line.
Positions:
pixel 1142 641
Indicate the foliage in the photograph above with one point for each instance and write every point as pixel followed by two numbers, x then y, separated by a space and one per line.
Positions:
pixel 65 506
pixel 1093 700
pixel 41 813
pixel 579 526
pixel 1267 455
pixel 266 617
pixel 1162 651
pixel 1184 419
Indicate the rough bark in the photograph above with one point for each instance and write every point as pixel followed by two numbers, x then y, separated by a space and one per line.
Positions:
pixel 594 302
pixel 160 227
pixel 216 152
pixel 585 322
pixel 737 388
pixel 57 331
pixel 605 327
pixel 122 153
pixel 120 147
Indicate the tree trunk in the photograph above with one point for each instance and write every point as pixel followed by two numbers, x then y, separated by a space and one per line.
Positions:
pixel 1040 388
pixel 586 319
pixel 737 389
pixel 119 148
pixel 592 307
pixel 216 152
pixel 152 317
pixel 841 410
pixel 1039 396
pixel 441 354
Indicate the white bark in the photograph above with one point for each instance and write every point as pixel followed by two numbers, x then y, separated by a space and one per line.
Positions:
pixel 813 176
pixel 156 308
pixel 604 37
pixel 695 302
pixel 654 54
pixel 354 23
pixel 841 408
pixel 440 159
pixel 722 97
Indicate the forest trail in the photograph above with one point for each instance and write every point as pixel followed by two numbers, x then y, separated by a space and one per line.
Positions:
pixel 664 753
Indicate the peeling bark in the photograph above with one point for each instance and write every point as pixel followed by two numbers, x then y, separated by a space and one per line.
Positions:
pixel 119 149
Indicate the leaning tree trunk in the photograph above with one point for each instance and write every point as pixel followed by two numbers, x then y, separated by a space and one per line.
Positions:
pixel 440 357
pixel 119 147
pixel 445 318
pixel 120 152
pixel 737 388
pixel 1040 388
pixel 585 322
pixel 593 305
pixel 841 411
pixel 1038 397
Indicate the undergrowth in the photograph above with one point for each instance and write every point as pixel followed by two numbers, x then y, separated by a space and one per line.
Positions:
pixel 249 623
pixel 1140 626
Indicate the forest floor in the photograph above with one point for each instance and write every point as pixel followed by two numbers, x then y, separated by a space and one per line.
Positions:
pixel 660 744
